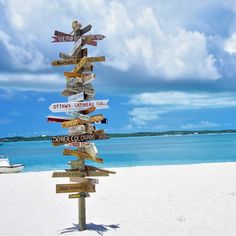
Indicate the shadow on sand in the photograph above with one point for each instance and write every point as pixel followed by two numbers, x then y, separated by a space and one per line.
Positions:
pixel 100 229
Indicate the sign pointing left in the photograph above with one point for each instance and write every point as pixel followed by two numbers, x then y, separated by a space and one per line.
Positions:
pixel 72 106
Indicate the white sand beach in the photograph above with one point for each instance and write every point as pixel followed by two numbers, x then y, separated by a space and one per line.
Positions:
pixel 159 200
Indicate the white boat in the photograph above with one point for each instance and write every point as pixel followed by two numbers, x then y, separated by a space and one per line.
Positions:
pixel 6 167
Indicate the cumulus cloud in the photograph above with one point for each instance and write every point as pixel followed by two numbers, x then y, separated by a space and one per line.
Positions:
pixel 185 100
pixel 152 105
pixel 141 116
pixel 146 37
pixel 230 44
pixel 31 82
pixel 200 125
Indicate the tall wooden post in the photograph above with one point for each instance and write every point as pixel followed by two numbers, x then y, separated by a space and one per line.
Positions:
pixel 82 214
pixel 81 103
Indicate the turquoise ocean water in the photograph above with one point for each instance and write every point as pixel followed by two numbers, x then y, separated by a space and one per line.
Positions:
pixel 133 151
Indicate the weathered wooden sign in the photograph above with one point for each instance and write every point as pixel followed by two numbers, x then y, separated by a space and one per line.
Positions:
pixel 64 62
pixel 78 165
pixel 82 155
pixel 79 195
pixel 70 188
pixel 78 173
pixel 64 37
pixel 79 121
pixel 75 74
pixel 59 140
pixel 71 106
pixel 85 60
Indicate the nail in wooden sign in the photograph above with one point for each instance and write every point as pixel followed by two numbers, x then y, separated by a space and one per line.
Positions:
pixel 88 59
pixel 72 106
pixel 79 195
pixel 59 140
pixel 70 188
pixel 79 121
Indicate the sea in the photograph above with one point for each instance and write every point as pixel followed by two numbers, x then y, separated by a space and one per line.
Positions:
pixel 127 152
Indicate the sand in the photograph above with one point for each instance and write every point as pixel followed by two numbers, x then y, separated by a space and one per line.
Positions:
pixel 159 200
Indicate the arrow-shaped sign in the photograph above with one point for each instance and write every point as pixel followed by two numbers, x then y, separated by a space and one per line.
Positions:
pixel 85 60
pixel 72 106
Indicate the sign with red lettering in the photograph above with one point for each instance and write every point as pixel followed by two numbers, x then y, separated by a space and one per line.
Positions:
pixel 77 106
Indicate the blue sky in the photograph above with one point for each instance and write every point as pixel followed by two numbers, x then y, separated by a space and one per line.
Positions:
pixel 170 65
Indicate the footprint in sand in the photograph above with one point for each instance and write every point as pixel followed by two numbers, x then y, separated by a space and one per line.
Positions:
pixel 181 218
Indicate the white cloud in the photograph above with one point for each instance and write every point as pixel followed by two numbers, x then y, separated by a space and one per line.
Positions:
pixel 139 35
pixel 41 99
pixel 22 57
pixel 230 44
pixel 173 100
pixel 32 82
pixel 200 125
pixel 141 116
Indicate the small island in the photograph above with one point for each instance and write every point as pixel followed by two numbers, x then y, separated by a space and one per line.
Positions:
pixel 120 135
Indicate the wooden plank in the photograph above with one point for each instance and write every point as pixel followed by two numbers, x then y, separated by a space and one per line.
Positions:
pixel 78 173
pixel 86 68
pixel 63 139
pixel 93 168
pixel 74 74
pixel 78 106
pixel 70 188
pixel 63 62
pixel 78 195
pixel 81 155
pixel 88 59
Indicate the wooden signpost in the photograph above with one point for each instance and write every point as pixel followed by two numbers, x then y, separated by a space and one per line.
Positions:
pixel 79 122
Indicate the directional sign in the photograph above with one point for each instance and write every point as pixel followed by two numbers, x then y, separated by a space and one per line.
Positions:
pixel 77 173
pixel 64 37
pixel 76 98
pixel 71 82
pixel 74 74
pixel 79 106
pixel 78 144
pixel 93 168
pixel 58 118
pixel 59 140
pixel 79 195
pixel 66 62
pixel 79 121
pixel 70 188
pixel 88 59
pixel 82 155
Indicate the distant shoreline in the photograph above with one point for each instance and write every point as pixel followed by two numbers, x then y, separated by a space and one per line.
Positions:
pixel 120 135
